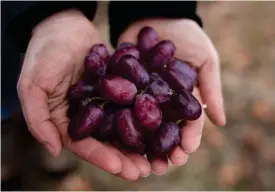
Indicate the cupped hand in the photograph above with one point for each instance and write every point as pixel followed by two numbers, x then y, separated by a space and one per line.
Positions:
pixel 195 47
pixel 53 62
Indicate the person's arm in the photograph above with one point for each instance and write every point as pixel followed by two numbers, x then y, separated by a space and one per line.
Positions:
pixel 122 14
pixel 19 18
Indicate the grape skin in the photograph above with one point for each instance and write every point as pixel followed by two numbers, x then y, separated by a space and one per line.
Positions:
pixel 160 90
pixel 148 112
pixel 86 121
pixel 186 105
pixel 147 39
pixel 130 69
pixel 129 131
pixel 179 75
pixel 94 67
pixel 102 50
pixel 161 54
pixel 118 90
pixel 126 50
pixel 166 138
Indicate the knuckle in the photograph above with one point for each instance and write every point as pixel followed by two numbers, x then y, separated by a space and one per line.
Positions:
pixel 22 85
pixel 90 153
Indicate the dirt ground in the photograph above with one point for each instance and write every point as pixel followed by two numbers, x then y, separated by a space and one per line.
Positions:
pixel 241 155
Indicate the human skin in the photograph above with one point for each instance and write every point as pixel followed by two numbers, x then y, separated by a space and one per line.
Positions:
pixel 54 61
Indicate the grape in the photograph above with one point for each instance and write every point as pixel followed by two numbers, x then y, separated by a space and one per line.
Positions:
pixel 106 131
pixel 186 105
pixel 179 75
pixel 72 110
pixel 130 68
pixel 75 105
pixel 118 90
pixel 166 138
pixel 94 67
pixel 129 131
pixel 126 44
pixel 86 121
pixel 127 50
pixel 160 54
pixel 148 112
pixel 155 77
pixel 80 91
pixel 160 90
pixel 102 50
pixel 147 39
pixel 168 113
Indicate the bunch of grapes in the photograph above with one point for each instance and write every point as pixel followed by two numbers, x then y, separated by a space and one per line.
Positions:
pixel 138 97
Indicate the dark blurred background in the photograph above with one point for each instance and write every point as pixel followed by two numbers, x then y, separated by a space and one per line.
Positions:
pixel 239 156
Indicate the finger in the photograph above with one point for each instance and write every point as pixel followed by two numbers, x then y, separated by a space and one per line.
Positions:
pixel 178 157
pixel 159 164
pixel 141 162
pixel 129 171
pixel 37 116
pixel 210 88
pixel 191 131
pixel 92 151
pixel 191 135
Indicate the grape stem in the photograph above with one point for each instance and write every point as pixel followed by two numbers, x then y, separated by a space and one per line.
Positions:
pixel 178 121
pixel 96 98
pixel 141 92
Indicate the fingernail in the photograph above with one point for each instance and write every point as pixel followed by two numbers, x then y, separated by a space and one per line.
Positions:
pixel 144 176
pixel 158 174
pixel 50 149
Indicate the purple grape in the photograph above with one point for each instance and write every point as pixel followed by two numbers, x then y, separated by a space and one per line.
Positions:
pixel 147 39
pixel 106 131
pixel 179 75
pixel 186 105
pixel 75 105
pixel 166 138
pixel 126 44
pixel 129 131
pixel 72 110
pixel 148 112
pixel 129 68
pixel 160 90
pixel 118 90
pixel 86 121
pixel 130 50
pixel 94 67
pixel 80 91
pixel 155 77
pixel 161 54
pixel 102 50
pixel 168 112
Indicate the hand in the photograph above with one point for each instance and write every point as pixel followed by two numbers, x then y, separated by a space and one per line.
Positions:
pixel 195 47
pixel 53 62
